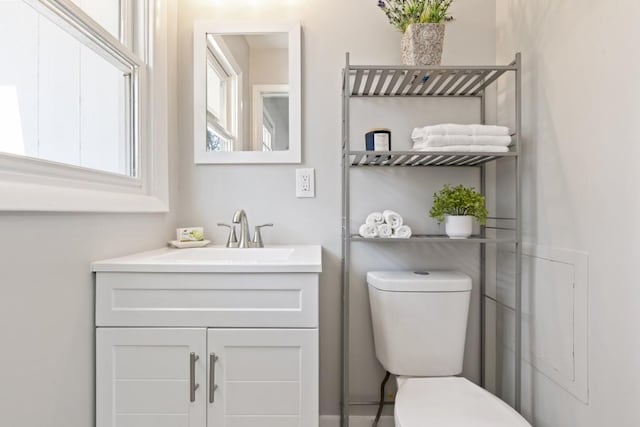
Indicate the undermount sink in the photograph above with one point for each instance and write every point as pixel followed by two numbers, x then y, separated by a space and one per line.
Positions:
pixel 287 258
pixel 228 255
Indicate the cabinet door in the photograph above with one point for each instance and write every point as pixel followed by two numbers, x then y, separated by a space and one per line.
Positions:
pixel 263 378
pixel 144 377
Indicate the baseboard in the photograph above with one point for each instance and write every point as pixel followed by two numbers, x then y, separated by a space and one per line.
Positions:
pixel 355 421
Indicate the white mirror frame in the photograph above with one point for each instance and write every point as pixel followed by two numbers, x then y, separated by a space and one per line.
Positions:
pixel 200 154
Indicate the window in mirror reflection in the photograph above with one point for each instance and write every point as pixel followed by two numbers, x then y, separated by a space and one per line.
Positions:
pixel 222 97
pixel 275 121
pixel 267 134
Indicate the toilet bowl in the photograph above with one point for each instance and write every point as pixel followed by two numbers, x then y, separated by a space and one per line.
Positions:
pixel 451 402
pixel 419 327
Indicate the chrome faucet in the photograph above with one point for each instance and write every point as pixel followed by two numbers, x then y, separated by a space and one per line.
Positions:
pixel 240 217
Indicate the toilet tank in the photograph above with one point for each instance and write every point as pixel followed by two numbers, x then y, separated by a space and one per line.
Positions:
pixel 419 320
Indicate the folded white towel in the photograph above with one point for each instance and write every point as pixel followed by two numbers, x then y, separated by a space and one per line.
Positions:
pixel 385 231
pixel 368 230
pixel 374 218
pixel 421 133
pixel 402 232
pixel 463 148
pixel 394 219
pixel 447 140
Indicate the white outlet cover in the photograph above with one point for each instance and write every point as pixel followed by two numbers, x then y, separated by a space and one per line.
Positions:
pixel 305 183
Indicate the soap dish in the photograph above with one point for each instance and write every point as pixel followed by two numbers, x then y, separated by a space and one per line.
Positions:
pixel 193 244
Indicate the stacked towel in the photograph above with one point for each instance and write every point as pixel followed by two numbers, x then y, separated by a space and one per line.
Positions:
pixel 419 134
pixel 402 232
pixel 394 219
pixel 374 218
pixel 385 231
pixel 386 224
pixel 368 230
pixel 469 138
pixel 462 148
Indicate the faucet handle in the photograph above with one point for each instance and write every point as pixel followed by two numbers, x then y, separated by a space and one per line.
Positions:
pixel 257 236
pixel 232 240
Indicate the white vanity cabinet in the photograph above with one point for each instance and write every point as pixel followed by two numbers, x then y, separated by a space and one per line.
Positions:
pixel 143 377
pixel 196 349
pixel 263 377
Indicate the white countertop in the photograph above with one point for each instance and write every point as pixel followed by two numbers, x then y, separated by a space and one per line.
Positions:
pixel 219 259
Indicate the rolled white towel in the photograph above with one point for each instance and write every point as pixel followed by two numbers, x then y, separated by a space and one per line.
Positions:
pixel 419 134
pixel 402 232
pixel 385 231
pixel 368 230
pixel 374 218
pixel 448 140
pixel 463 148
pixel 394 219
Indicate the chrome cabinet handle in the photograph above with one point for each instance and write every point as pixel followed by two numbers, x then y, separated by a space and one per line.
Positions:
pixel 212 377
pixel 193 386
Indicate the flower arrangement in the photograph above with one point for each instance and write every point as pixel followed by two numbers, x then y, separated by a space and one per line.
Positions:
pixel 458 201
pixel 402 13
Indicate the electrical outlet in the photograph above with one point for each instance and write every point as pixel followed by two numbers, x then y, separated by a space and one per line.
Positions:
pixel 305 183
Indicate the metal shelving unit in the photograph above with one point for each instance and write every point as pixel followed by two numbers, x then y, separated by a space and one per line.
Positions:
pixel 428 82
pixel 413 158
pixel 430 238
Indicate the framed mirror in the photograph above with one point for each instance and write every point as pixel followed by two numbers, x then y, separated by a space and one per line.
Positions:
pixel 247 93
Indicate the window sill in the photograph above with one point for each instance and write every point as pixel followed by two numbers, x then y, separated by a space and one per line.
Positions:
pixel 20 197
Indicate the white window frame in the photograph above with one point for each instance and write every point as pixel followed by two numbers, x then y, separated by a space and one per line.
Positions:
pixel 218 51
pixel 258 113
pixel 270 128
pixel 29 184
pixel 214 64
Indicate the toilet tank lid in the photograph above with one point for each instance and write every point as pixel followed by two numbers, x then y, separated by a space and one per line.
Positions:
pixel 419 281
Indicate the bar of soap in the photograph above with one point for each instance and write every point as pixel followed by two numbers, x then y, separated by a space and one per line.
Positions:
pixel 190 234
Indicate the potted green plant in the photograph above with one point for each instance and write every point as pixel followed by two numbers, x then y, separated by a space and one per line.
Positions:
pixel 457 206
pixel 422 24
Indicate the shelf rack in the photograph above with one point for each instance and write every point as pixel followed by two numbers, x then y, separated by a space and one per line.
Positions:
pixel 416 158
pixel 429 238
pixel 428 82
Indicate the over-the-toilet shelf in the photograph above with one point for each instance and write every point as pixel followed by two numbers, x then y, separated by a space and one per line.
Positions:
pixel 393 81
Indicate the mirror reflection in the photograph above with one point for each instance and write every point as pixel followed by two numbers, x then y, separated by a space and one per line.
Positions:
pixel 247 92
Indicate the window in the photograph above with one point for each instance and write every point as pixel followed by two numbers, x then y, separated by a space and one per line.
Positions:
pixel 222 96
pixel 74 106
pixel 268 131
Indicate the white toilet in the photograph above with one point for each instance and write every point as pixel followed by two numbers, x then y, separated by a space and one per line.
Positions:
pixel 419 326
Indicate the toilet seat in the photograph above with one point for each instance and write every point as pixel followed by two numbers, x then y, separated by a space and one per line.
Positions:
pixel 451 402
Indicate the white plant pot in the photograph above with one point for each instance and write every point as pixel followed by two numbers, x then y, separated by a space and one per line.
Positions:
pixel 459 226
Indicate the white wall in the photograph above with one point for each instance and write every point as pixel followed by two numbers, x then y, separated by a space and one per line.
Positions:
pixel 210 194
pixel 581 145
pixel 269 66
pixel 47 330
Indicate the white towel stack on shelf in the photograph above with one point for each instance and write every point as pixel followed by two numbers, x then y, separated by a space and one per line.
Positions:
pixel 461 138
pixel 386 224
pixel 374 218
pixel 402 232
pixel 368 230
